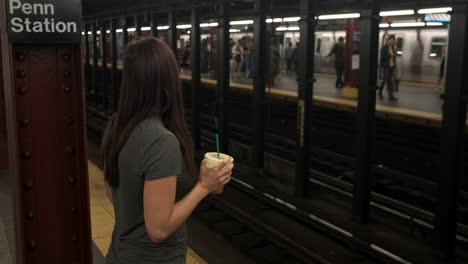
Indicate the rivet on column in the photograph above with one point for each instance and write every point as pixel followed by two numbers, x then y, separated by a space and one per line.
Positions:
pixel 29 184
pixel 21 90
pixel 20 74
pixel 32 244
pixel 72 179
pixel 29 214
pixel 20 56
pixel 69 150
pixel 27 155
pixel 67 89
pixel 24 123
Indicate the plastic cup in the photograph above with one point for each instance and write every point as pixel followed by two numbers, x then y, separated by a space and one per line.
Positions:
pixel 212 160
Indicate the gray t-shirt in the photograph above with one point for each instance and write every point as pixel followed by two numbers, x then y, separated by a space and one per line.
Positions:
pixel 151 152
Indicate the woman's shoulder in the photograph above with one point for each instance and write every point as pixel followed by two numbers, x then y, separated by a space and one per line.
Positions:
pixel 152 130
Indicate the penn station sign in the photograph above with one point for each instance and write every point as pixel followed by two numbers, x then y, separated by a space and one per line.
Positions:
pixel 44 21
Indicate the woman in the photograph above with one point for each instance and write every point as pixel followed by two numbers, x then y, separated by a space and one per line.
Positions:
pixel 148 161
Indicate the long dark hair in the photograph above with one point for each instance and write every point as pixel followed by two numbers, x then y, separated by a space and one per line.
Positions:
pixel 150 89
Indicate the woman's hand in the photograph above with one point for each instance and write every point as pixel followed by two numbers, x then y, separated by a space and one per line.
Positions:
pixel 214 178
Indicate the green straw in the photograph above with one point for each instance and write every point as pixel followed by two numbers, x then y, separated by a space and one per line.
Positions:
pixel 217 144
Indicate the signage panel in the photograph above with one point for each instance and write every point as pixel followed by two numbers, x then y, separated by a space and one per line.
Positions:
pixel 44 21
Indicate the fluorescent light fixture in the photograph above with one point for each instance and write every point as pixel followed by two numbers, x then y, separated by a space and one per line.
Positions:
pixel 339 16
pixel 433 54
pixel 408 24
pixel 131 29
pixel 435 10
pixel 277 20
pixel 234 30
pixel 434 24
pixel 242 22
pixel 399 52
pixel 119 30
pixel 384 25
pixel 397 13
pixel 82 33
pixel 108 31
pixel 291 19
pixel 162 28
pixel 145 28
pixel 293 28
pixel 183 26
pixel 89 32
pixel 269 20
pixel 281 29
pixel 98 32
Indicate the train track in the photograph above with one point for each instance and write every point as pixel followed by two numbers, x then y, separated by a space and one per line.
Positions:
pixel 332 171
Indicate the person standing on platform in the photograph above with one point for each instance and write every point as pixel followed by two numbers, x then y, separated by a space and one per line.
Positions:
pixel 237 51
pixel 388 64
pixel 204 56
pixel 149 163
pixel 295 58
pixel 339 51
pixel 274 62
pixel 288 54
pixel 248 58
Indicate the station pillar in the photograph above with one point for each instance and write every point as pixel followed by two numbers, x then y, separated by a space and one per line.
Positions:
pixel 352 58
pixel 3 130
pixel 42 79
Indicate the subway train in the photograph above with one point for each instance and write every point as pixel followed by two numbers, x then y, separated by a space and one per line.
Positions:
pixel 421 51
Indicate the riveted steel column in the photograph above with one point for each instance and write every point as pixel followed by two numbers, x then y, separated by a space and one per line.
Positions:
pixel 223 76
pixel 306 86
pixel 366 113
pixel 94 91
pixel 115 83
pixel 259 61
pixel 154 25
pixel 196 75
pixel 138 25
pixel 452 134
pixel 45 111
pixel 87 58
pixel 125 31
pixel 105 88
pixel 172 32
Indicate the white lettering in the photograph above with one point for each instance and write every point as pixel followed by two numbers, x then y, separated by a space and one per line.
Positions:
pixel 27 23
pixel 49 7
pixel 14 4
pixel 47 24
pixel 26 8
pixel 61 27
pixel 38 9
pixel 37 27
pixel 71 27
pixel 16 25
pixel 52 25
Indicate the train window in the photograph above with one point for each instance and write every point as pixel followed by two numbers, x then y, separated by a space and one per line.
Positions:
pixel 437 47
pixel 399 46
pixel 319 45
